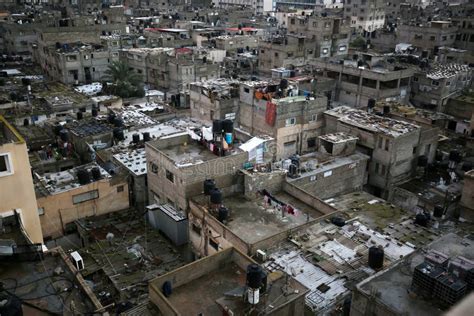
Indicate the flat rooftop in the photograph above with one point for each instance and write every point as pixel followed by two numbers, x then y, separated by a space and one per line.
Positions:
pixel 134 161
pixel 86 128
pixel 392 286
pixel 372 122
pixel 59 182
pixel 252 221
pixel 8 134
pixel 338 137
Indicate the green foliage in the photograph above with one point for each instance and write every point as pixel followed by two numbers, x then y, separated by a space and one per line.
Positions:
pixel 358 42
pixel 126 83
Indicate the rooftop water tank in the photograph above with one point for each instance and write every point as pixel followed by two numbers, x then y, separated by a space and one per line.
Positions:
pixel 376 256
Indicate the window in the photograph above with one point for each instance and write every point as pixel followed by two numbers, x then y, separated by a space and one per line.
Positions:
pixel 415 79
pixel 246 90
pixel 71 58
pixel 120 188
pixel 313 118
pixel 448 83
pixel 170 176
pixel 311 142
pixel 6 167
pixel 380 142
pixel 327 25
pixel 315 24
pixel 40 211
pixel 435 83
pixel 382 170
pixel 444 38
pixel 376 167
pixel 414 150
pixel 386 144
pixel 432 38
pixel 290 121
pixel 84 197
pixel 276 54
pixel 262 51
pixel 418 36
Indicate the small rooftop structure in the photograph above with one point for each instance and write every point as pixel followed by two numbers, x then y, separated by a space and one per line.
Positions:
pixel 371 122
pixel 86 128
pixel 441 71
pixel 134 161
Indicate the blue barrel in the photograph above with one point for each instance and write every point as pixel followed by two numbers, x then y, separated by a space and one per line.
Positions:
pixel 228 138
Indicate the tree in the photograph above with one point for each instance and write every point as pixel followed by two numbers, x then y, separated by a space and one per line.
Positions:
pixel 125 82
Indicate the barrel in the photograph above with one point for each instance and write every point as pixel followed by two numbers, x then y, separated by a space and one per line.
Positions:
pixel 376 256
pixel 209 185
pixel 216 196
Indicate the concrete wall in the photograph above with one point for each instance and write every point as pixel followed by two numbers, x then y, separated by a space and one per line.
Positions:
pixel 256 181
pixel 59 209
pixel 17 190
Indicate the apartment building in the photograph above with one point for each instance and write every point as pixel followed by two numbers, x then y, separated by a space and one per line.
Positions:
pixel 393 146
pixel 293 120
pixel 19 219
pixel 282 51
pixel 365 15
pixel 329 35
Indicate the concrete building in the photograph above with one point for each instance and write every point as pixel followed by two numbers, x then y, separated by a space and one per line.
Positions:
pixel 373 80
pixel 365 15
pixel 293 120
pixel 428 37
pixel 284 291
pixel 178 166
pixel 467 197
pixel 393 146
pixel 18 209
pixel 283 51
pixel 374 296
pixel 214 99
pixel 64 197
pixel 236 43
pixel 434 87
pixel 329 34
pixel 77 63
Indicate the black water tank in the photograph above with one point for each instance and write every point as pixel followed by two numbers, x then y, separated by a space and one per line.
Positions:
pixel 216 196
pixel 136 138
pixel 118 133
pixel 209 185
pixel 167 289
pixel 146 137
pixel 438 211
pixel 223 214
pixel 217 126
pixel 283 84
pixel 95 112
pixel 64 135
pixel 455 156
pixel 371 103
pixel 79 115
pixel 96 173
pixel 386 109
pixel 57 128
pixel 254 276
pixel 83 176
pixel 292 170
pixel 422 161
pixel 346 307
pixel 376 256
pixel 466 166
pixel 421 219
pixel 263 289
pixel 228 126
pixel 118 122
pixel 338 221
pixel 111 118
pixel 26 122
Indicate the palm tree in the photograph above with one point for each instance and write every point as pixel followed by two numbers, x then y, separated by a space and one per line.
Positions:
pixel 126 82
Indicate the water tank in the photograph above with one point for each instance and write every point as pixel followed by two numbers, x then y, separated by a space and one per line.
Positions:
pixel 223 214
pixel 83 176
pixel 167 289
pixel 216 196
pixel 79 115
pixel 371 103
pixel 209 185
pixel 338 221
pixel 421 219
pixel 438 211
pixel 455 156
pixel 228 126
pixel 136 138
pixel 26 122
pixel 118 122
pixel 95 112
pixel 111 118
pixel 422 161
pixel 118 133
pixel 292 170
pixel 386 109
pixel 217 126
pixel 96 173
pixel 263 288
pixel 254 276
pixel 283 84
pixel 57 128
pixel 64 135
pixel 376 257
pixel 146 137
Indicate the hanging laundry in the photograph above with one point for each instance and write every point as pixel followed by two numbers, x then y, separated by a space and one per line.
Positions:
pixel 270 113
